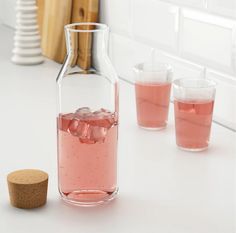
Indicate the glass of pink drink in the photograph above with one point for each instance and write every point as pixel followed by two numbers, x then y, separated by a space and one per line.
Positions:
pixel 152 88
pixel 193 103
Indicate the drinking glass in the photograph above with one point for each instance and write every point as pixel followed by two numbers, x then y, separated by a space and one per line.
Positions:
pixel 193 103
pixel 152 88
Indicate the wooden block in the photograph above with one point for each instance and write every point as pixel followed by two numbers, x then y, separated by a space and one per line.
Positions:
pixel 85 11
pixel 57 13
pixel 53 15
pixel 28 188
pixel 40 14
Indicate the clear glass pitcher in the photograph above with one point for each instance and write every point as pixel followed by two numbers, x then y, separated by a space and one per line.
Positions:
pixel 87 121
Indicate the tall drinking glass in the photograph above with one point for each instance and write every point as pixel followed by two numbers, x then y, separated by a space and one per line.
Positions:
pixel 193 103
pixel 152 88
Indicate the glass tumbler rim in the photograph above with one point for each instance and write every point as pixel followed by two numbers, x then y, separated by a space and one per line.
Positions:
pixel 207 83
pixel 155 67
pixel 101 27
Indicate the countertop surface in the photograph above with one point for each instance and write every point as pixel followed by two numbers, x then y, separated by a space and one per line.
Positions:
pixel 162 189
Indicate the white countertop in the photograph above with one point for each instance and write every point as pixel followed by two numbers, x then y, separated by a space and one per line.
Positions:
pixel 162 189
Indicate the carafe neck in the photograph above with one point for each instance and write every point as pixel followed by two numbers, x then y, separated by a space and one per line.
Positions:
pixel 86 44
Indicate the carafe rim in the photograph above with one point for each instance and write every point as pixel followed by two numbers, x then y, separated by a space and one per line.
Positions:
pixel 99 27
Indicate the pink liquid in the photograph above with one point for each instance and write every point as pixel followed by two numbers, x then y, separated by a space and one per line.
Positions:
pixel 87 155
pixel 193 123
pixel 152 102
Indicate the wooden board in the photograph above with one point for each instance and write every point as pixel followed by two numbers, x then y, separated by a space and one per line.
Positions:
pixel 85 11
pixel 57 13
pixel 40 4
pixel 53 15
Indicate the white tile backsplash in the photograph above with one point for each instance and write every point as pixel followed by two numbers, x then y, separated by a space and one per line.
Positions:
pixel 181 68
pixel 126 53
pixel 194 41
pixel 116 13
pixel 156 23
pixel 196 37
pixel 207 39
pixel 191 3
pixel 122 48
pixel 225 102
pixel 223 7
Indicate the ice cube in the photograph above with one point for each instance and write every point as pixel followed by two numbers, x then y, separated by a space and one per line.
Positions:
pixel 91 127
pixel 101 118
pixel 93 135
pixel 87 140
pixel 105 110
pixel 83 112
pixel 85 135
pixel 102 113
pixel 104 123
pixel 72 128
pixel 98 134
pixel 113 119
pixel 97 113
pixel 83 130
pixel 64 121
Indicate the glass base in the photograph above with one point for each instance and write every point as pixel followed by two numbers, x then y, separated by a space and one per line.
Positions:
pixel 88 197
pixel 152 128
pixel 193 149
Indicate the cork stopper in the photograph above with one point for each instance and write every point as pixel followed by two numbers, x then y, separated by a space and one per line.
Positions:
pixel 28 188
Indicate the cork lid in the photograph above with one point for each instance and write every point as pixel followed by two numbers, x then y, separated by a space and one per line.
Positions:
pixel 28 188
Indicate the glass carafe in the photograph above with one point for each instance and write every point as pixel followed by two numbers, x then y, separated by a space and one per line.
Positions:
pixel 87 121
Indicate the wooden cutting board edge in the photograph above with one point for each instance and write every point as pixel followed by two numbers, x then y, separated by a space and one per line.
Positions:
pixel 74 11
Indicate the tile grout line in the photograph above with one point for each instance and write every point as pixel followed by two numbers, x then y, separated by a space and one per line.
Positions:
pixel 227 127
pixel 205 8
